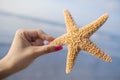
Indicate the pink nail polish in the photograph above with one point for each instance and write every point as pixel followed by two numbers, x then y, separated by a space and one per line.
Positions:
pixel 58 48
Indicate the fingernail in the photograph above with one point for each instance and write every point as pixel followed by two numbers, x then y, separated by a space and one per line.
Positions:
pixel 58 48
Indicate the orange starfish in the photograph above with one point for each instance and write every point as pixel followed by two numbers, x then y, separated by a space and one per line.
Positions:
pixel 77 39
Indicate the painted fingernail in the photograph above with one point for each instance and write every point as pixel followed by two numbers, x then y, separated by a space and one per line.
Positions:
pixel 58 48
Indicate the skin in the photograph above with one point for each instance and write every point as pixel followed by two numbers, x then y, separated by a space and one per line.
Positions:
pixel 26 47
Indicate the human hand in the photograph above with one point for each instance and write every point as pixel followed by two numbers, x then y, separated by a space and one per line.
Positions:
pixel 26 47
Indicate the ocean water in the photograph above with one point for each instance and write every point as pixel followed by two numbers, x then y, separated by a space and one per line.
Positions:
pixel 52 66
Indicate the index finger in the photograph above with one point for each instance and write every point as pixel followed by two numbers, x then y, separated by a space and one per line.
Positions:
pixel 45 36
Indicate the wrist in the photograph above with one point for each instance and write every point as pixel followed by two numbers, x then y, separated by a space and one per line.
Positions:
pixel 5 68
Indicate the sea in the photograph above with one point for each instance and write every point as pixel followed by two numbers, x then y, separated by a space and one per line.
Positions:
pixel 52 66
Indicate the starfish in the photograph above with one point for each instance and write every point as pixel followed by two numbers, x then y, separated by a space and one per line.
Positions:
pixel 77 39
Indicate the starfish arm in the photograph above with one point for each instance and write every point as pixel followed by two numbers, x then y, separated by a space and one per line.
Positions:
pixel 94 26
pixel 71 57
pixel 95 51
pixel 60 40
pixel 70 24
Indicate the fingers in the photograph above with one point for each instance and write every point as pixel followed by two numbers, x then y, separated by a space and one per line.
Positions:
pixel 41 50
pixel 44 36
pixel 35 37
pixel 37 42
pixel 39 34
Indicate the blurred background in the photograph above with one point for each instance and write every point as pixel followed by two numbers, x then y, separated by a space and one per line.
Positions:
pixel 47 15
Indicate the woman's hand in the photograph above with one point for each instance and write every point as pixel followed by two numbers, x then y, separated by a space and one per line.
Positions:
pixel 26 47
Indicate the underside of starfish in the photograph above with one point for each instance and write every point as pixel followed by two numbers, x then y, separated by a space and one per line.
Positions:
pixel 77 39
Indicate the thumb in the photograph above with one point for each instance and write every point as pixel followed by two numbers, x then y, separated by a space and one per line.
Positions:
pixel 41 50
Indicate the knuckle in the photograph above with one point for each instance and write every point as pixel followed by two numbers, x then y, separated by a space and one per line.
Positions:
pixel 38 30
pixel 19 31
pixel 48 49
pixel 34 51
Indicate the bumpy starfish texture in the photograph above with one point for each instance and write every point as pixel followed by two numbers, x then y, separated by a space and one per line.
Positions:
pixel 77 39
